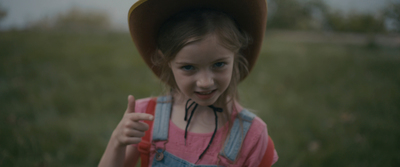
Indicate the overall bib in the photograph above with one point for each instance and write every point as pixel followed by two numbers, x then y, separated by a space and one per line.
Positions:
pixel 230 151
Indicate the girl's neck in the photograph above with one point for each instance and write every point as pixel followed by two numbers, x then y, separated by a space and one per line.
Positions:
pixel 180 100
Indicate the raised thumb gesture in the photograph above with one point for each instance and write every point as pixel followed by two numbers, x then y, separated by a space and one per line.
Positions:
pixel 130 129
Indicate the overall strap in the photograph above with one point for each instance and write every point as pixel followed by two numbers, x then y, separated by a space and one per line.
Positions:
pixel 161 118
pixel 241 126
pixel 144 145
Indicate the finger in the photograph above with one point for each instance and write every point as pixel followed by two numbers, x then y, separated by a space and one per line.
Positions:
pixel 140 116
pixel 131 104
pixel 136 125
pixel 140 126
pixel 133 133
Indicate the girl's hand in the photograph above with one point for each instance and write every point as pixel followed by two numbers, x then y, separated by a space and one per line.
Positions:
pixel 130 129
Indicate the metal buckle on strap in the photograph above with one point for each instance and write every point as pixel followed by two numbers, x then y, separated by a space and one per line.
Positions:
pixel 159 155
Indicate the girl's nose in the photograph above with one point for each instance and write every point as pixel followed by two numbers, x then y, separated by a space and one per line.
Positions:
pixel 205 81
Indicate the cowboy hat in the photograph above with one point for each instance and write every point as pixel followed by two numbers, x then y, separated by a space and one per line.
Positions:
pixel 146 16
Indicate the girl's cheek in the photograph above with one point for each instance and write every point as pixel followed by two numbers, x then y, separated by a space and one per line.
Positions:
pixel 226 73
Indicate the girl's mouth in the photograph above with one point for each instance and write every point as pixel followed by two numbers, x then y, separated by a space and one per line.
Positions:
pixel 205 95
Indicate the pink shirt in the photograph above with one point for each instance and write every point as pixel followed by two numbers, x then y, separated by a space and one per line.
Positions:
pixel 251 153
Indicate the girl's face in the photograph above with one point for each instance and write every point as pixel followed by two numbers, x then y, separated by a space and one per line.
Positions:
pixel 203 70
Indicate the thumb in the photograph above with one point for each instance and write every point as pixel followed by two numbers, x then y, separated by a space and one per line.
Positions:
pixel 131 105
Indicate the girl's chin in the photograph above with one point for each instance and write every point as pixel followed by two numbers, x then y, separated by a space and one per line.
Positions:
pixel 203 100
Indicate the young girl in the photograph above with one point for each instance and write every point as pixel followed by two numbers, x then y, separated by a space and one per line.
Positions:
pixel 201 49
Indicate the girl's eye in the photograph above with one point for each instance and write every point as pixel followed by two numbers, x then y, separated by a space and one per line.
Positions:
pixel 219 65
pixel 187 68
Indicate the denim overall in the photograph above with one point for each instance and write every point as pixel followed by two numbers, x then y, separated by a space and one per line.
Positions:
pixel 233 142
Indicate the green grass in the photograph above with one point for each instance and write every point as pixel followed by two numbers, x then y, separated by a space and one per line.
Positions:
pixel 62 94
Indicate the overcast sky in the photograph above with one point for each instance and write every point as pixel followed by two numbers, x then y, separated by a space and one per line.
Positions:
pixel 20 12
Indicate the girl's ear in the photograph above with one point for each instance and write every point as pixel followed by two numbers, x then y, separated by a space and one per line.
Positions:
pixel 162 55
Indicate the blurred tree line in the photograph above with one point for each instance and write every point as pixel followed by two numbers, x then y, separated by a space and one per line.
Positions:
pixel 316 15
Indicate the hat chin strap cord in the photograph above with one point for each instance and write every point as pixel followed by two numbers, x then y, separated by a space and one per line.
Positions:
pixel 215 109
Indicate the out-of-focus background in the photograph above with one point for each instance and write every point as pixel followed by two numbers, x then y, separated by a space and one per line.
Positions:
pixel 327 82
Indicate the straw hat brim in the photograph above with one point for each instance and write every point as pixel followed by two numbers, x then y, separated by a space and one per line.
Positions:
pixel 146 16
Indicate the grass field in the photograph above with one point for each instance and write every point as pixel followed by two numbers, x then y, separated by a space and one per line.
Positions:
pixel 326 104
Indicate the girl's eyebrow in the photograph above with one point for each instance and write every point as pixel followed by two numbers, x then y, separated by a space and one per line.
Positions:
pixel 220 59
